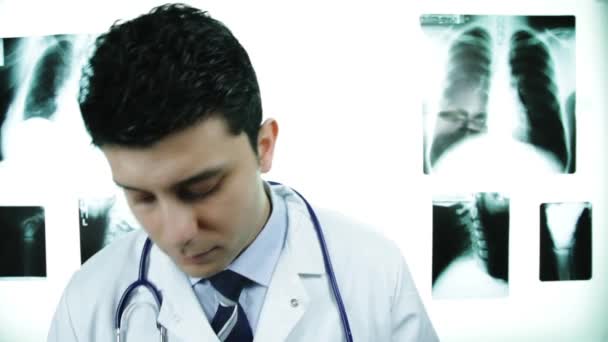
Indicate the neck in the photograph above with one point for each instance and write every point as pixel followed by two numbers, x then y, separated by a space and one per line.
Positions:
pixel 264 213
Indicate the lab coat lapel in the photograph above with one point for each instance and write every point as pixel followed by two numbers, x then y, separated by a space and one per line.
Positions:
pixel 180 312
pixel 287 299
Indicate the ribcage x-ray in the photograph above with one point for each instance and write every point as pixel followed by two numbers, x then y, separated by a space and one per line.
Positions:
pixel 499 92
pixel 38 82
pixel 23 242
pixel 470 245
pixel 565 241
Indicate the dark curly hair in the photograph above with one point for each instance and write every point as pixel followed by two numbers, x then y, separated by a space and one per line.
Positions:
pixel 163 72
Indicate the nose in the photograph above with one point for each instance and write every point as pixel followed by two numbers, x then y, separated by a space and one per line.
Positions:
pixel 179 221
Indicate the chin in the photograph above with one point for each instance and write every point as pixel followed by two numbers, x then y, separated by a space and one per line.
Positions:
pixel 196 272
pixel 201 271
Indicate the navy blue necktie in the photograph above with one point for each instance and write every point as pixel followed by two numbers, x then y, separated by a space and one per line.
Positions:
pixel 230 322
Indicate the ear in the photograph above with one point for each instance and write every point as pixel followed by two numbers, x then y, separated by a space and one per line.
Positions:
pixel 267 137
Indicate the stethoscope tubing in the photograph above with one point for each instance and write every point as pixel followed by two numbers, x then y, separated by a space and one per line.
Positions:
pixel 328 267
pixel 143 282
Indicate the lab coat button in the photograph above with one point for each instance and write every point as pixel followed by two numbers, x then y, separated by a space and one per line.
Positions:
pixel 294 302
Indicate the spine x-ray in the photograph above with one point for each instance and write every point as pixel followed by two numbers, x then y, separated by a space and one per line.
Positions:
pixel 470 245
pixel 101 221
pixel 23 242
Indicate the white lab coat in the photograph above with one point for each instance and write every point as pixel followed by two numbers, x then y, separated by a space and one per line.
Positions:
pixel 379 294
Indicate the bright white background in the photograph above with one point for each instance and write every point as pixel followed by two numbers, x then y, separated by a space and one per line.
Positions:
pixel 341 78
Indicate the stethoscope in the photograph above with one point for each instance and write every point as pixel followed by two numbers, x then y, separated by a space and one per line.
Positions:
pixel 142 281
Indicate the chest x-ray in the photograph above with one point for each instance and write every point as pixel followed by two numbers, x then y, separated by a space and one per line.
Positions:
pixel 38 98
pixel 499 92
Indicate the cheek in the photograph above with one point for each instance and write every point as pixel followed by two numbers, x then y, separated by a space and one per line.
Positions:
pixel 227 213
pixel 219 215
pixel 148 221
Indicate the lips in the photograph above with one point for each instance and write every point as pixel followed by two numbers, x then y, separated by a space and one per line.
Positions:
pixel 200 257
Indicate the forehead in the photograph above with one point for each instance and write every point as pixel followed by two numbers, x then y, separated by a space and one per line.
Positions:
pixel 205 145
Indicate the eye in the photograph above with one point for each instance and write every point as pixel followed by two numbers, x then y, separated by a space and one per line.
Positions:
pixel 140 197
pixel 198 192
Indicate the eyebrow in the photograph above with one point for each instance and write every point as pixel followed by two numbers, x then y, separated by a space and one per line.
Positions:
pixel 199 177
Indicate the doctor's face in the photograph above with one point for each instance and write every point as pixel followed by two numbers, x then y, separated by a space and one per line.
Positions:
pixel 198 193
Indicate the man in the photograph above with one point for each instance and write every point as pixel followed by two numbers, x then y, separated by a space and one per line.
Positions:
pixel 173 102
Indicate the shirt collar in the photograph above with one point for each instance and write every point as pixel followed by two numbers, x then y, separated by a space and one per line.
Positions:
pixel 258 261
